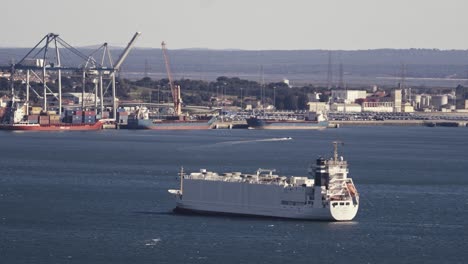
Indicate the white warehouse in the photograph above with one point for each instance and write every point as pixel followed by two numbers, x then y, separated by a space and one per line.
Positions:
pixel 347 96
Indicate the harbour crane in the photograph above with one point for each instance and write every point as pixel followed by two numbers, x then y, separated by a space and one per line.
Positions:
pixel 127 49
pixel 175 89
pixel 46 57
pixel 109 70
pixel 117 65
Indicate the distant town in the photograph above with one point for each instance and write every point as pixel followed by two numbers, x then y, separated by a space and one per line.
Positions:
pixel 44 91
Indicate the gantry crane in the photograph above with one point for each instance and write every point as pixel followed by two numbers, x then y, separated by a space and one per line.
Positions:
pixel 46 57
pixel 175 89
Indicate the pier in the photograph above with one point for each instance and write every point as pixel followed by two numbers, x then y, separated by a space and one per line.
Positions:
pixel 234 124
pixel 430 123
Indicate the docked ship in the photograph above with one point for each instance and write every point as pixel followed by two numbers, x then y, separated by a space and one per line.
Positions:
pixel 156 124
pixel 164 124
pixel 330 195
pixel 16 119
pixel 313 120
pixel 51 127
pixel 141 120
pixel 177 121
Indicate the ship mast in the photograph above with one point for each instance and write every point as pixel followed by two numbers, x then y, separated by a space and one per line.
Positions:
pixel 181 173
pixel 335 149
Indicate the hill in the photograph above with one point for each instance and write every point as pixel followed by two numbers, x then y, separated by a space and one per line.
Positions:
pixel 425 67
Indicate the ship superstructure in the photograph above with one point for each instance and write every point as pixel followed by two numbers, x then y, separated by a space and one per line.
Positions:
pixel 330 195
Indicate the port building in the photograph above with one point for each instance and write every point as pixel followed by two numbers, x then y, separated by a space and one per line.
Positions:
pixel 342 107
pixel 318 106
pixel 347 96
pixel 461 94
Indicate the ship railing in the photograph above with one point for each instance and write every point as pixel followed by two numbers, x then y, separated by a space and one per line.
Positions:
pixel 342 163
pixel 338 176
pixel 337 186
pixel 337 197
pixel 267 172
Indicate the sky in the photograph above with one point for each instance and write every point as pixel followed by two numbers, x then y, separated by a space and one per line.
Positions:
pixel 240 24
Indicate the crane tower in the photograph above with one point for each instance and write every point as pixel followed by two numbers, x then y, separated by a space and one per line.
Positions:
pixel 175 89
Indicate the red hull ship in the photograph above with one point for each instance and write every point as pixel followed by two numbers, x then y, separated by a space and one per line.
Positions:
pixel 52 127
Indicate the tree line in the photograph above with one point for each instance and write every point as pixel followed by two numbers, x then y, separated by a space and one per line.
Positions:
pixel 194 92
pixel 239 91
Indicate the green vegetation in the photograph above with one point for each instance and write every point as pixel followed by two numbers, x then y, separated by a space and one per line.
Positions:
pixel 238 91
pixel 234 90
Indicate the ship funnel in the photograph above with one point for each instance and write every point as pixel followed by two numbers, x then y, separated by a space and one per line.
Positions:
pixel 321 175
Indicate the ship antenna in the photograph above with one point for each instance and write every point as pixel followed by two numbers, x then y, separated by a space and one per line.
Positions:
pixel 335 149
pixel 181 173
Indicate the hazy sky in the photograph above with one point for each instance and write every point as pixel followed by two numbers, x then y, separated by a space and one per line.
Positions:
pixel 241 24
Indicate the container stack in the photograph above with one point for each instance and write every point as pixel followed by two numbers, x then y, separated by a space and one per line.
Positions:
pixel 89 117
pixel 54 119
pixel 43 120
pixel 69 112
pixel 68 116
pixel 33 119
pixel 35 110
pixel 122 116
pixel 77 119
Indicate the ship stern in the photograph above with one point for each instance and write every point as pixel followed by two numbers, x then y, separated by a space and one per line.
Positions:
pixel 344 210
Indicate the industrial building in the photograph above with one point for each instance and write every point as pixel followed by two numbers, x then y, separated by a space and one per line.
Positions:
pixel 347 96
pixel 387 107
pixel 318 106
pixel 461 94
pixel 439 100
pixel 342 107
pixel 397 99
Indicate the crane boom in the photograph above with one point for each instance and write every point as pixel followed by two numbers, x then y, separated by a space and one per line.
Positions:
pixel 175 89
pixel 127 49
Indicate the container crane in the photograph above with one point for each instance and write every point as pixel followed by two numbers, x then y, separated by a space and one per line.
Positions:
pixel 117 65
pixel 175 89
pixel 127 49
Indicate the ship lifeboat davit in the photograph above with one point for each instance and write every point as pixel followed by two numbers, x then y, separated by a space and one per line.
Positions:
pixel 352 189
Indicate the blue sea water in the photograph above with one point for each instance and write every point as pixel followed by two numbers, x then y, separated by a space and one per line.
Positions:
pixel 101 197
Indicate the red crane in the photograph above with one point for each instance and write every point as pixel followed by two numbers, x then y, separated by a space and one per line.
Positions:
pixel 175 89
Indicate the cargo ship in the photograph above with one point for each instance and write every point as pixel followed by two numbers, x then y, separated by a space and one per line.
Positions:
pixel 167 124
pixel 51 127
pixel 312 120
pixel 142 120
pixel 330 195
pixel 16 119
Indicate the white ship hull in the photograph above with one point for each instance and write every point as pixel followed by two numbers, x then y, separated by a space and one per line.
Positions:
pixel 215 197
pixel 329 196
pixel 306 213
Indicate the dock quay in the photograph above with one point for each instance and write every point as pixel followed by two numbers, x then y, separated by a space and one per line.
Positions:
pixel 233 124
pixel 430 123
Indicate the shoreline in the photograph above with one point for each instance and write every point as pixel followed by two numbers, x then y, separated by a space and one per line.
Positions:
pixel 429 123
